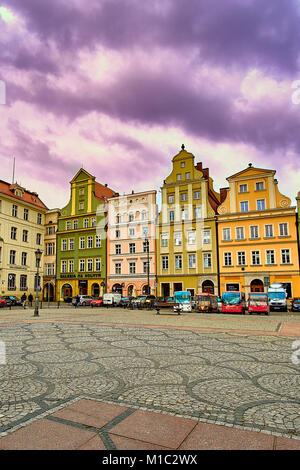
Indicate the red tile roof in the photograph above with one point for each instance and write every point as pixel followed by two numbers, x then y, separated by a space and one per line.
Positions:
pixel 103 192
pixel 28 196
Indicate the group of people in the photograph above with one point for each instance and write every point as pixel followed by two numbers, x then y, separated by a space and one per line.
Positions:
pixel 24 298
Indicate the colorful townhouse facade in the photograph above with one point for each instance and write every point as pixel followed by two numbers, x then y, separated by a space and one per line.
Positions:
pixel 81 239
pixel 131 262
pixel 22 218
pixel 49 259
pixel 257 234
pixel 186 249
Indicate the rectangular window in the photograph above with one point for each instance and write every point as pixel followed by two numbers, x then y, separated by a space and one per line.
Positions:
pixel 188 175
pixel 11 283
pixel 178 239
pixel 226 234
pixel 117 268
pixel 270 256
pixel 255 257
pixel 82 243
pixel 165 262
pixel 228 258
pixel 131 247
pixel 90 242
pixel 131 218
pixel 164 239
pixel 118 249
pixel 244 206
pixel 71 244
pixel 178 262
pixel 197 195
pixel 198 212
pixel 118 233
pixel 145 267
pixel 191 238
pixel 38 239
pixel 39 218
pixel 63 266
pixel 260 204
pixel 131 232
pixel 75 224
pixel 183 197
pixel 93 221
pixel 64 245
pixel 171 216
pixel 90 265
pixel 81 206
pixel 25 236
pixel 259 186
pixel 71 266
pixel 178 177
pixel 68 225
pixel 269 230
pixel 184 214
pixel 25 214
pixel 254 231
pixel 81 191
pixel 243 188
pixel 86 223
pixel 132 267
pixel 13 233
pixel 283 230
pixel 98 241
pixel 14 211
pixel 97 264
pixel 23 282
pixel 81 265
pixel 240 235
pixel 24 258
pixel 207 260
pixel 285 256
pixel 241 258
pixel 146 246
pixel 206 236
pixel 171 199
pixel 192 261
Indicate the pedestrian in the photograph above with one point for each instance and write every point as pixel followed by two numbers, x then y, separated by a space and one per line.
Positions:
pixel 30 299
pixel 77 300
pixel 23 299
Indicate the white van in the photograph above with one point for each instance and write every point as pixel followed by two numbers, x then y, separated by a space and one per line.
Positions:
pixel 112 298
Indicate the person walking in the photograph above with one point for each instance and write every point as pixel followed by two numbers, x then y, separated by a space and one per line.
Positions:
pixel 30 299
pixel 23 299
pixel 77 301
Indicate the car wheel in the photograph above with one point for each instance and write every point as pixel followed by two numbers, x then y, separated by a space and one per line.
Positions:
pixel 84 304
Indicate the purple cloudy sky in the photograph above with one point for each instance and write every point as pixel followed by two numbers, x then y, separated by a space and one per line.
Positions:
pixel 116 86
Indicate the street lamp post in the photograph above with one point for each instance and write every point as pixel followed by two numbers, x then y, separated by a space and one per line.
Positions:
pixel 38 255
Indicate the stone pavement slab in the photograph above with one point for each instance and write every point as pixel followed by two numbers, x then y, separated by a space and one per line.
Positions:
pixel 140 430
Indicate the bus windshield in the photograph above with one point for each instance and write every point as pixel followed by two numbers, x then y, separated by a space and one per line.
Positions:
pixel 182 297
pixel 231 298
pixel 258 299
pixel 276 295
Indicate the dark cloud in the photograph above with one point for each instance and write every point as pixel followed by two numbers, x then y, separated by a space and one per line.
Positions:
pixel 235 32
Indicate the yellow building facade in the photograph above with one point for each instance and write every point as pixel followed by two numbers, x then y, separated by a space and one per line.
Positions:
pixel 22 218
pixel 257 234
pixel 186 244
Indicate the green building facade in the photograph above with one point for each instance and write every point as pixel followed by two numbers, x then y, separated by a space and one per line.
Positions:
pixel 81 239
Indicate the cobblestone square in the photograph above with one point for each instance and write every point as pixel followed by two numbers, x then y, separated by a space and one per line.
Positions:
pixel 240 380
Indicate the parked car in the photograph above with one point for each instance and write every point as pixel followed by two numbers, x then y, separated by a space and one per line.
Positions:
pixel 2 303
pixel 12 300
pixel 97 302
pixel 112 298
pixel 83 300
pixel 296 304
pixel 150 299
pixel 139 300
pixel 125 301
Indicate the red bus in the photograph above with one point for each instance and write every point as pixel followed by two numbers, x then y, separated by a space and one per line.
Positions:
pixel 233 302
pixel 258 302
